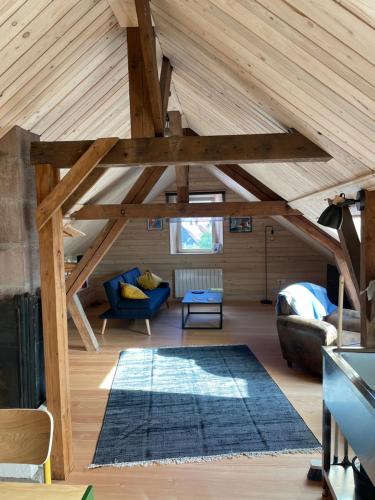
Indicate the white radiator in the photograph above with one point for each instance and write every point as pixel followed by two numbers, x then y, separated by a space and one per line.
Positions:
pixel 196 279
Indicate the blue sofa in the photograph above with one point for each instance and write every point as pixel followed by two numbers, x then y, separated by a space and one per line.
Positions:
pixel 133 308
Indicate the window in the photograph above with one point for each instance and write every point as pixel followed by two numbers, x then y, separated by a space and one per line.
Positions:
pixel 196 235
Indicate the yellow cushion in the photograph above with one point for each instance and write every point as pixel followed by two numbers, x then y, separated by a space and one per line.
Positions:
pixel 149 280
pixel 132 292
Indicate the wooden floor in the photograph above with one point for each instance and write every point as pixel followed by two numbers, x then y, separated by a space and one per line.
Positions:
pixel 282 477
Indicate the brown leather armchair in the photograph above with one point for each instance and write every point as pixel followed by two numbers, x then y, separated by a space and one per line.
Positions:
pixel 301 339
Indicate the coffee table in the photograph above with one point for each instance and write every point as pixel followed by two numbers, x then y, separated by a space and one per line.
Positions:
pixel 205 297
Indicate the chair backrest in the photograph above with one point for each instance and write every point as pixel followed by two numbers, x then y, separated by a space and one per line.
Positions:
pixel 25 436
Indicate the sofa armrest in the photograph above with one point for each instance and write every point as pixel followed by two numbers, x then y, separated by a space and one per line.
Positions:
pixel 163 284
pixel 301 340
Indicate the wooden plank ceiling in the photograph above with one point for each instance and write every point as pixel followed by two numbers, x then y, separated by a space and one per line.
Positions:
pixel 240 66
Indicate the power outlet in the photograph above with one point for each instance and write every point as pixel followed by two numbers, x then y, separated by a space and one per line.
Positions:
pixel 282 282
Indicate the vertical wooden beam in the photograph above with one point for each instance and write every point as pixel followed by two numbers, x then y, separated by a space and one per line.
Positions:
pixel 351 247
pixel 368 269
pixel 165 85
pixel 55 332
pixel 181 171
pixel 147 39
pixel 140 108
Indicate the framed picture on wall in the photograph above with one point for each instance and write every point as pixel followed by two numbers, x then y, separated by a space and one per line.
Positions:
pixel 240 225
pixel 155 224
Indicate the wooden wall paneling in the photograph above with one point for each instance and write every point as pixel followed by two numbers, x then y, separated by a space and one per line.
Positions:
pixel 368 270
pixel 273 88
pixel 55 335
pixel 39 94
pixel 76 175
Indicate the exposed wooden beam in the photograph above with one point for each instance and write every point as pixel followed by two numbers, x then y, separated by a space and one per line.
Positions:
pixel 82 189
pixel 155 210
pixel 147 38
pixel 55 331
pixel 165 85
pixel 111 231
pixel 351 246
pixel 264 148
pixel 368 269
pixel 181 171
pixel 262 192
pixel 141 122
pixel 76 175
pixel 83 325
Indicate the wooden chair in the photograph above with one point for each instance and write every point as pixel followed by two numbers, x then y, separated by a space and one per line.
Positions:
pixel 26 438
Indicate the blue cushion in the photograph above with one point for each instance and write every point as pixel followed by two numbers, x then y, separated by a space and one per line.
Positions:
pixel 113 289
pixel 132 276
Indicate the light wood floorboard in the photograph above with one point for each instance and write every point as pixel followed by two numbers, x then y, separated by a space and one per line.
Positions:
pixel 282 477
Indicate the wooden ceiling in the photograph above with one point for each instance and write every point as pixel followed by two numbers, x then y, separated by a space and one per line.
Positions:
pixel 240 66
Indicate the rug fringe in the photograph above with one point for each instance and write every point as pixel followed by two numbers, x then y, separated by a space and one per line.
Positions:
pixel 211 458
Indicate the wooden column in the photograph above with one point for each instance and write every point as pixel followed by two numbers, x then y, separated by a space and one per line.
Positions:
pixel 351 247
pixel 55 330
pixel 182 171
pixel 368 270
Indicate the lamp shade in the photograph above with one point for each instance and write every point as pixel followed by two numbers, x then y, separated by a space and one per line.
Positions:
pixel 331 217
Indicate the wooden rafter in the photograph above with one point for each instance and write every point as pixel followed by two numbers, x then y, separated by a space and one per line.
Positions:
pixel 147 38
pixel 181 171
pixel 77 174
pixel 255 187
pixel 150 151
pixel 155 210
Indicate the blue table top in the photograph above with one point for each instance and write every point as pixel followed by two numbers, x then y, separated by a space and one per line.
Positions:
pixel 203 297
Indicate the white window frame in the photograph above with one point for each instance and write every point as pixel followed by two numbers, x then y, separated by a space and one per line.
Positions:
pixel 176 246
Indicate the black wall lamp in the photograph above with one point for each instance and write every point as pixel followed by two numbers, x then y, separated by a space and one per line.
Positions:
pixel 332 215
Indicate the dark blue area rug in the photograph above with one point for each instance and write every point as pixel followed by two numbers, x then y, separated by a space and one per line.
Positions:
pixel 196 403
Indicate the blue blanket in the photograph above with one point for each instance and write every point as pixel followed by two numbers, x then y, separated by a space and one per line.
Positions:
pixel 308 300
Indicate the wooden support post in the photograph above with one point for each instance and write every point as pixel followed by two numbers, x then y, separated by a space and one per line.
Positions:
pixel 165 85
pixel 181 171
pixel 351 247
pixel 368 270
pixel 83 325
pixel 147 39
pixel 55 334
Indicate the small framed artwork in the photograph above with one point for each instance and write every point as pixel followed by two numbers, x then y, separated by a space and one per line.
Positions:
pixel 240 225
pixel 155 224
